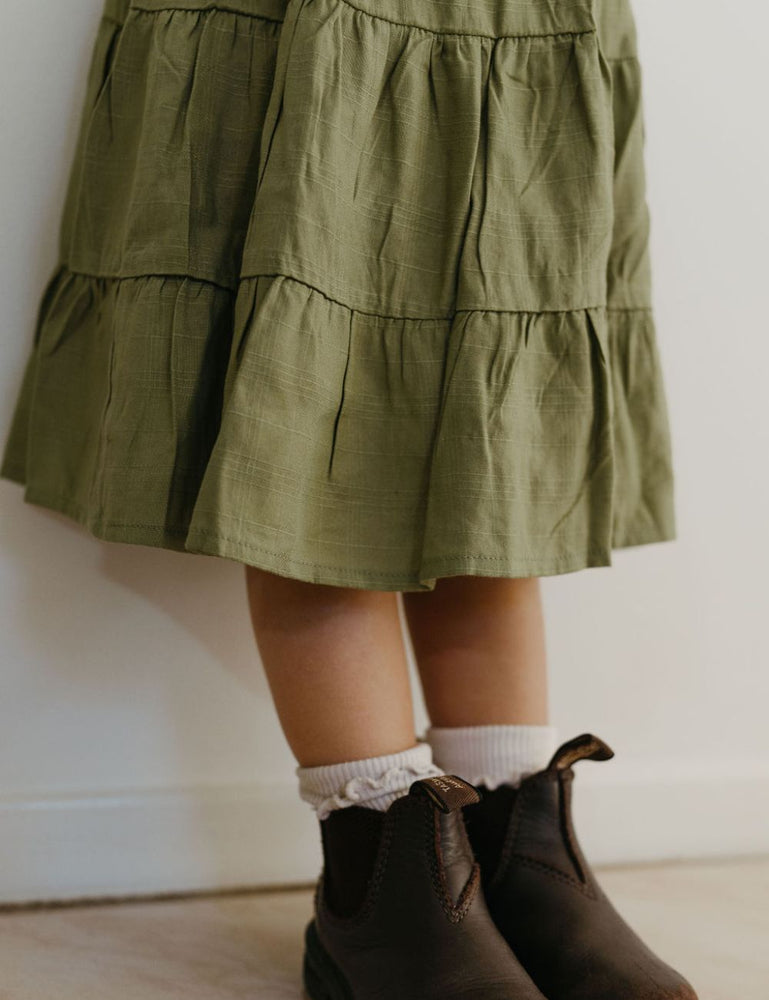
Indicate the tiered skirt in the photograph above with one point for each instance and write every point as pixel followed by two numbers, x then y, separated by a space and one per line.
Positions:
pixel 355 291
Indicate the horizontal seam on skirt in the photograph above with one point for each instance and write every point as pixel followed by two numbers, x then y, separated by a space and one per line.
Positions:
pixel 469 34
pixel 615 59
pixel 440 560
pixel 151 274
pixel 82 512
pixel 345 569
pixel 330 298
pixel 222 8
pixel 425 319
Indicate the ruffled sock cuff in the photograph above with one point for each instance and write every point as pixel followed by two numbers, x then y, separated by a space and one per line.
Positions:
pixel 374 782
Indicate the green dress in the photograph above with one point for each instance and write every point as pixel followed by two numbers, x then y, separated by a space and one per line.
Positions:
pixel 355 291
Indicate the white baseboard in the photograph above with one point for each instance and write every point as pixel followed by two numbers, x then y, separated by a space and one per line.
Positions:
pixel 663 811
pixel 197 839
pixel 149 842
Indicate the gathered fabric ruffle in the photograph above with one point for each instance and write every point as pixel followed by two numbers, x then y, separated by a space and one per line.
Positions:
pixel 343 448
pixel 359 299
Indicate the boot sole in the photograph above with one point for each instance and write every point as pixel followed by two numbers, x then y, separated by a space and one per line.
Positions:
pixel 321 976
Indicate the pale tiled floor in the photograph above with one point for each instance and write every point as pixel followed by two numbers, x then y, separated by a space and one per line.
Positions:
pixel 708 919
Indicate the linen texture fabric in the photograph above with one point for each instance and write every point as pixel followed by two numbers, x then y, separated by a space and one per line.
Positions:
pixel 357 292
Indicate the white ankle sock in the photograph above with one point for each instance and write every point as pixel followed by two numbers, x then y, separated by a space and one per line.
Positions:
pixel 374 782
pixel 492 755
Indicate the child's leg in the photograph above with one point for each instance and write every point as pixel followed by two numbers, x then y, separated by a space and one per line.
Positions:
pixel 336 665
pixel 479 644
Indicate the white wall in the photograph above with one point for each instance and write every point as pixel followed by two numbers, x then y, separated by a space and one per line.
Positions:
pixel 138 747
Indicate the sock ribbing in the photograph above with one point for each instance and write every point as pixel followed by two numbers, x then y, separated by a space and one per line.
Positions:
pixel 492 755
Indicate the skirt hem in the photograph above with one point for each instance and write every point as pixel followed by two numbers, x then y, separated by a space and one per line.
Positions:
pixel 201 542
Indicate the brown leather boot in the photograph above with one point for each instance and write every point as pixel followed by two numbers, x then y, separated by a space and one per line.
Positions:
pixel 399 913
pixel 545 899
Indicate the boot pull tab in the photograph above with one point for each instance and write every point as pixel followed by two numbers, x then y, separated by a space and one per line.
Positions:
pixel 447 791
pixel 584 746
